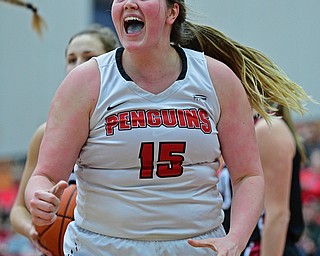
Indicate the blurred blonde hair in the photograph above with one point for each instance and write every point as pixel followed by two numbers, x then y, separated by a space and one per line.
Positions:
pixel 264 82
pixel 38 22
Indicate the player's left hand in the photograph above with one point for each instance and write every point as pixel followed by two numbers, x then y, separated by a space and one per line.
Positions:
pixel 222 246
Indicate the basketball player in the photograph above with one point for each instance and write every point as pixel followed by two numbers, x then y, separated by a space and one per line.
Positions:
pixel 147 125
pixel 281 224
pixel 81 47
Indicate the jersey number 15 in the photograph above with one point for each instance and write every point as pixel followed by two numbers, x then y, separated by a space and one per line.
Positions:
pixel 170 159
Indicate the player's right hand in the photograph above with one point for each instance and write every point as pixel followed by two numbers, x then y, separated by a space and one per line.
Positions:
pixel 45 204
pixel 223 246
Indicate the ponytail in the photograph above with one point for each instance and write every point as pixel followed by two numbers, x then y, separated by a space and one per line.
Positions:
pixel 265 83
pixel 37 21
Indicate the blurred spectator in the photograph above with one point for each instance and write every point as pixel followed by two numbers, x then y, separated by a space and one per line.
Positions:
pixel 310 178
pixel 11 243
pixel 310 183
pixel 310 133
pixel 310 241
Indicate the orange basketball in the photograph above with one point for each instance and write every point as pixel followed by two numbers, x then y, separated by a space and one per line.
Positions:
pixel 51 236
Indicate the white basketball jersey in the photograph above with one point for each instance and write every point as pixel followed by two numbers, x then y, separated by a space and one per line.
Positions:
pixel 148 169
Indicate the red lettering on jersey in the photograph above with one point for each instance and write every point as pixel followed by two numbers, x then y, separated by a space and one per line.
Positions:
pixel 169 117
pixel 184 118
pixel 192 118
pixel 138 119
pixel 154 118
pixel 110 123
pixel 205 122
pixel 124 122
pixel 181 118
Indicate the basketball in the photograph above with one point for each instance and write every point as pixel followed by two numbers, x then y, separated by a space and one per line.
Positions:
pixel 51 236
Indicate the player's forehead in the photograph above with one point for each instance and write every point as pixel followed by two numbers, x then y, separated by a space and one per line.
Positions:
pixel 85 43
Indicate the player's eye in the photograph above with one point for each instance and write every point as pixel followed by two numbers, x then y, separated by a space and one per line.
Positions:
pixel 72 60
pixel 88 58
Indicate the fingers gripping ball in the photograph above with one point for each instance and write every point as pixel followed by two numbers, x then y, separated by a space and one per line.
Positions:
pixel 51 236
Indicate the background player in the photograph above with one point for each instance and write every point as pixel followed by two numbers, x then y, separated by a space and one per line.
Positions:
pixel 81 47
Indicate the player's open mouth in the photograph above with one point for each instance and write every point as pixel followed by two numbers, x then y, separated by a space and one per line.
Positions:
pixel 133 25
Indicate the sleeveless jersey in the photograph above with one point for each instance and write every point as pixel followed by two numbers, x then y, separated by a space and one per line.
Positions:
pixel 148 168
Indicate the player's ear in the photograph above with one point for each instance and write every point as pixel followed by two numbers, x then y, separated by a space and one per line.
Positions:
pixel 173 13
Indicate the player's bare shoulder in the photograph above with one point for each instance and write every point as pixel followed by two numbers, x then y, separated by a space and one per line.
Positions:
pixel 86 74
pixel 83 84
pixel 223 78
pixel 230 91
pixel 276 134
